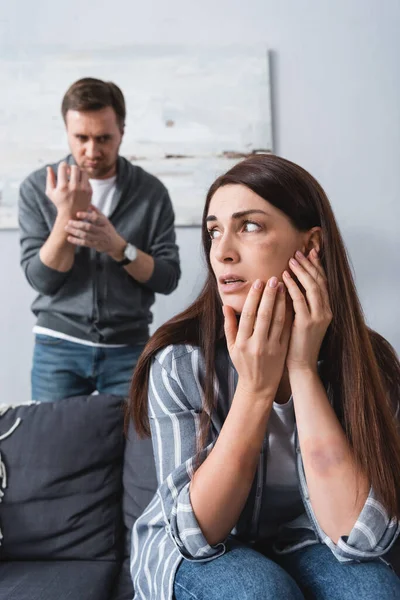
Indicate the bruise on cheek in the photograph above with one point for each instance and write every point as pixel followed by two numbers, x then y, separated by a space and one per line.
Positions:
pixel 280 244
pixel 276 253
pixel 270 247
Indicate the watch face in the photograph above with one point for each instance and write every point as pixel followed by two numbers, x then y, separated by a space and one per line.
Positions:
pixel 130 252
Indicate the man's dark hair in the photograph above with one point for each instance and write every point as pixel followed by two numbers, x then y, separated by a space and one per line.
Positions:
pixel 94 94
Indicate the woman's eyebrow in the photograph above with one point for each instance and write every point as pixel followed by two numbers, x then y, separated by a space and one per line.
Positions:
pixel 239 215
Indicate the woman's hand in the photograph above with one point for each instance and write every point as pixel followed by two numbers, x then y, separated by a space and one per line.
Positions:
pixel 258 345
pixel 312 311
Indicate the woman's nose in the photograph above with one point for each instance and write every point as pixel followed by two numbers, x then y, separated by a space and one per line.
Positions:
pixel 226 250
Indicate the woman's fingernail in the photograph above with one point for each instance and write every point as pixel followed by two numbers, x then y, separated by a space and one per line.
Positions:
pixel 281 288
pixel 286 274
pixel 273 282
pixel 299 254
pixel 257 284
pixel 293 262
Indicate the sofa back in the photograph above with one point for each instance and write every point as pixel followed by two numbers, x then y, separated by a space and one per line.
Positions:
pixel 62 484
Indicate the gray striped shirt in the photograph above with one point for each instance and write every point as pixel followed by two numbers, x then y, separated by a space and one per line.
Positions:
pixel 168 531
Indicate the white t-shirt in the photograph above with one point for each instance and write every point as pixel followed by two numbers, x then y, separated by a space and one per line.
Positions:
pixel 282 499
pixel 103 193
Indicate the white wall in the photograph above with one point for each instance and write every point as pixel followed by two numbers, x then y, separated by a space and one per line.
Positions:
pixel 336 101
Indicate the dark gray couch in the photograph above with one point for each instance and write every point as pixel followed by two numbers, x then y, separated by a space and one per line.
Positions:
pixel 73 487
pixel 72 490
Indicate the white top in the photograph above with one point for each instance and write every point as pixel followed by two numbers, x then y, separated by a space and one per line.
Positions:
pixel 103 193
pixel 71 338
pixel 282 499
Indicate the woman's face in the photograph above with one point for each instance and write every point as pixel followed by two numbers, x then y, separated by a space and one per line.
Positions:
pixel 250 239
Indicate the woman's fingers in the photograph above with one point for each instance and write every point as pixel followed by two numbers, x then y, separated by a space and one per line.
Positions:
pixel 321 279
pixel 287 327
pixel 263 312
pixel 230 325
pixel 277 320
pixel 313 258
pixel 297 296
pixel 249 311
pixel 316 273
pixel 313 266
pixel 311 286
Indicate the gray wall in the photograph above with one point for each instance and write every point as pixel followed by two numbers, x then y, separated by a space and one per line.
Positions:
pixel 336 101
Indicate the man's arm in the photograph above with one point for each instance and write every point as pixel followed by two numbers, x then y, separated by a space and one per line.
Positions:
pixel 56 253
pixel 68 196
pixel 46 256
pixel 164 250
pixel 141 268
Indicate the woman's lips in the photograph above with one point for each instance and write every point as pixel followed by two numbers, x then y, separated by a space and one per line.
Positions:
pixel 232 286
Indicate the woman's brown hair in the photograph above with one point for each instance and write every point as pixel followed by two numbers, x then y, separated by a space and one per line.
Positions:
pixel 359 368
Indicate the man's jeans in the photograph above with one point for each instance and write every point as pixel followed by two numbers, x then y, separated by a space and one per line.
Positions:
pixel 62 369
pixel 312 573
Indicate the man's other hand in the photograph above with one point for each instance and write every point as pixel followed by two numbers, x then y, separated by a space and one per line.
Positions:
pixel 93 230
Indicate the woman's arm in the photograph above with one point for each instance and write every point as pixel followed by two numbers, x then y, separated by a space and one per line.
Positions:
pixel 338 489
pixel 258 347
pixel 201 507
pixel 220 487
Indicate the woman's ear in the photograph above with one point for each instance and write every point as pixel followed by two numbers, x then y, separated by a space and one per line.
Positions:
pixel 312 240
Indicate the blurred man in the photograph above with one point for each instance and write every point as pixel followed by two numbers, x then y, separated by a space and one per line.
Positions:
pixel 97 241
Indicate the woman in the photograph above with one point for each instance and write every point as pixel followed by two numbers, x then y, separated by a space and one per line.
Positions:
pixel 272 408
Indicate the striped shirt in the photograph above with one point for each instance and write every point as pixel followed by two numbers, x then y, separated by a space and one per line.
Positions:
pixel 168 531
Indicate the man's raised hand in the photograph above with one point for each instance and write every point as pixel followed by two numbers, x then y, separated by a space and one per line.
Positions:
pixel 71 193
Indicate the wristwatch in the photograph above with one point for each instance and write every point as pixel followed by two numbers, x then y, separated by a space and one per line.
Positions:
pixel 130 254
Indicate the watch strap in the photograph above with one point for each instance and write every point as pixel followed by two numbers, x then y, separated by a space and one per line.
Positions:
pixel 123 262
pixel 128 257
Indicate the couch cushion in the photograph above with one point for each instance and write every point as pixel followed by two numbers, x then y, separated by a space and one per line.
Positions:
pixel 139 480
pixel 123 587
pixel 57 580
pixel 393 557
pixel 64 480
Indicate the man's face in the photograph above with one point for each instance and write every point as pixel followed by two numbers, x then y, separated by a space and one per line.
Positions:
pixel 94 138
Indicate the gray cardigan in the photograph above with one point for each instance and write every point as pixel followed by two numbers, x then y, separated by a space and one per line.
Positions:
pixel 168 532
pixel 97 300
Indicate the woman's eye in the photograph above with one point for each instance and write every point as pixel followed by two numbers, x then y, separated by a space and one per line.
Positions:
pixel 250 226
pixel 213 233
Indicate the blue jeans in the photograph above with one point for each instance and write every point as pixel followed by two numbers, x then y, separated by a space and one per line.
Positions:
pixel 312 573
pixel 62 369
